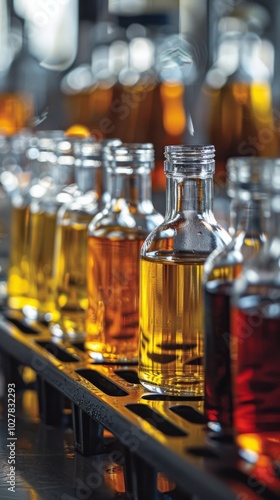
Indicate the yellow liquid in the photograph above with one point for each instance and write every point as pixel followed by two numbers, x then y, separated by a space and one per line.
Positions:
pixel 171 326
pixel 18 273
pixel 113 294
pixel 70 269
pixel 40 256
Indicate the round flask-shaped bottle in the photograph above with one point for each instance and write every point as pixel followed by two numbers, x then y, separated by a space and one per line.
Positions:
pixel 172 258
pixel 255 327
pixel 114 242
pixel 221 269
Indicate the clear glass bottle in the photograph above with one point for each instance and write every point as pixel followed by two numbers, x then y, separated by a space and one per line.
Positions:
pixel 24 170
pixel 255 327
pixel 70 254
pixel 46 196
pixel 172 259
pixel 115 239
pixel 222 267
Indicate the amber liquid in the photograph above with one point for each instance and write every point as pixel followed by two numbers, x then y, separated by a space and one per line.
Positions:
pixel 240 123
pixel 112 331
pixel 256 368
pixel 42 228
pixel 171 325
pixel 18 272
pixel 70 269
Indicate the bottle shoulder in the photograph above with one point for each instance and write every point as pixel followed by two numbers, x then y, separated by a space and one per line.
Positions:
pixel 197 237
pixel 126 221
pixel 239 251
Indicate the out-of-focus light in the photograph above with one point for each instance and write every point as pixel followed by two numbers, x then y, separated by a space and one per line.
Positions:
pixel 77 80
pixel 37 191
pixel 141 53
pixel 79 131
pixel 9 181
pixel 129 77
pixel 117 56
pixel 136 30
pixel 216 78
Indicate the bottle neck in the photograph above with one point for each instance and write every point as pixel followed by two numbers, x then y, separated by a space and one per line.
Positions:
pixel 274 220
pixel 89 179
pixel 134 188
pixel 187 194
pixel 248 216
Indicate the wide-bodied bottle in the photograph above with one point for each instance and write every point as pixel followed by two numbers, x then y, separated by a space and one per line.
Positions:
pixel 171 349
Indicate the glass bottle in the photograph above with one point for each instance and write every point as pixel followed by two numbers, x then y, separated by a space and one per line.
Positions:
pixel 21 170
pixel 172 259
pixel 115 239
pixel 46 196
pixel 221 268
pixel 255 326
pixel 70 254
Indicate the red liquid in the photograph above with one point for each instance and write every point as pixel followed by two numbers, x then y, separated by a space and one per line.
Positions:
pixel 256 364
pixel 218 394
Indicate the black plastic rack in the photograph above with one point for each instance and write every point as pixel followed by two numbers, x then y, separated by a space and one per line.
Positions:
pixel 166 434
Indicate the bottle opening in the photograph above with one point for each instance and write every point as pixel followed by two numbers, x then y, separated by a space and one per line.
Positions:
pixel 129 155
pixel 249 176
pixel 193 159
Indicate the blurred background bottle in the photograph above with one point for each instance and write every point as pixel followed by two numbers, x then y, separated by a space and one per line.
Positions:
pixel 237 98
pixel 115 238
pixel 19 168
pixel 54 188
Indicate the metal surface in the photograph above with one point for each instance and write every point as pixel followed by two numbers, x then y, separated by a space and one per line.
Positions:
pixel 157 433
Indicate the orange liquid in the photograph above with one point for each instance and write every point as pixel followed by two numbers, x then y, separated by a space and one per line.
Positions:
pixel 112 330
pixel 146 112
pixel 15 111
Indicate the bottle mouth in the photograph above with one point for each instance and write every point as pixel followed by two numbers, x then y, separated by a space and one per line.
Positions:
pixel 189 159
pixel 248 177
pixel 131 156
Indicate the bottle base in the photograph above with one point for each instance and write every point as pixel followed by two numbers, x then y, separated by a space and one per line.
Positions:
pixel 101 352
pixel 192 390
pixel 59 332
pixel 123 359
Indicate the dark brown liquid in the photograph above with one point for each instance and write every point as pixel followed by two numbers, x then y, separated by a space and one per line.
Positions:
pixel 256 367
pixel 218 394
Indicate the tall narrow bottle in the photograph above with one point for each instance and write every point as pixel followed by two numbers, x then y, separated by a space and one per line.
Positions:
pixel 220 271
pixel 46 197
pixel 28 169
pixel 115 239
pixel 70 253
pixel 172 259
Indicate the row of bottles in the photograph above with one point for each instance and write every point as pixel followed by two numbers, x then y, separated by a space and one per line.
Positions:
pixel 198 308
